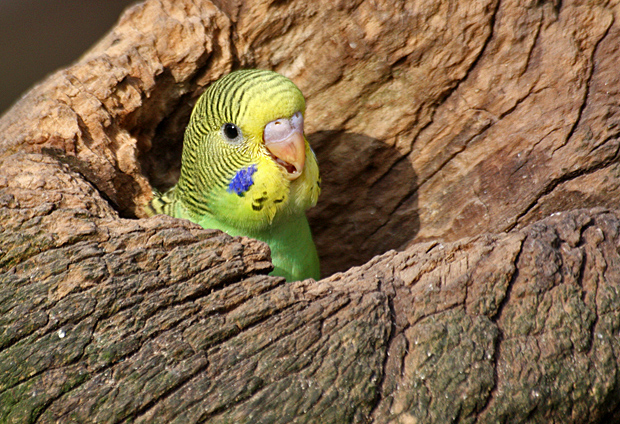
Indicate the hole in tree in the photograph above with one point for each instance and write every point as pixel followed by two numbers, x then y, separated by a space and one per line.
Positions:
pixel 368 203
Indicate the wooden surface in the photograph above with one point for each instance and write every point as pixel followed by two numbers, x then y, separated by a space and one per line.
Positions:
pixel 445 130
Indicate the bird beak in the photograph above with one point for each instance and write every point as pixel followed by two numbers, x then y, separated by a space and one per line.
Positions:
pixel 284 138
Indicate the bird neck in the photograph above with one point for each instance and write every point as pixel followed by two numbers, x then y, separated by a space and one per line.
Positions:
pixel 281 229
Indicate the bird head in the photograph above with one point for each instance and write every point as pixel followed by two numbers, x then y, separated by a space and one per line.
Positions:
pixel 246 160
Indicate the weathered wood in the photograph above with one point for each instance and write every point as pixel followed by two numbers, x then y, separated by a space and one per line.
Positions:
pixel 437 125
pixel 106 319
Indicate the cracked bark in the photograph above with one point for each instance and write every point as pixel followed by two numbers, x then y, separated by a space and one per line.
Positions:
pixel 438 127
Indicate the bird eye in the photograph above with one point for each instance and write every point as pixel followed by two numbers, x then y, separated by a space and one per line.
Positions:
pixel 231 131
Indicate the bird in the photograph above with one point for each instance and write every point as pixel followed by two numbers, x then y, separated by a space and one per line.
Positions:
pixel 247 168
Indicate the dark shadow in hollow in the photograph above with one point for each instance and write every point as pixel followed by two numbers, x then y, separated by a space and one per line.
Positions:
pixel 161 162
pixel 368 203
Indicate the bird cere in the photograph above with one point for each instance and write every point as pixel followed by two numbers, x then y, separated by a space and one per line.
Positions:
pixel 247 168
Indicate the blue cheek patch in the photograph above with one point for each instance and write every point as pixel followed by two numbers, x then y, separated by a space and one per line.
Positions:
pixel 242 181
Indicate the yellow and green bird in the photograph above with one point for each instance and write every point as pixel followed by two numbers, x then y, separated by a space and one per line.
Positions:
pixel 247 168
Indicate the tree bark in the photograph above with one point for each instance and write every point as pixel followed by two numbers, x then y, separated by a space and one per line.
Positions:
pixel 479 140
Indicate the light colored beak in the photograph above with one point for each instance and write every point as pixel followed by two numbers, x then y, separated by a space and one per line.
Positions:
pixel 284 138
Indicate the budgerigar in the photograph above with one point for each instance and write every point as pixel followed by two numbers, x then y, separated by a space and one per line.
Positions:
pixel 247 168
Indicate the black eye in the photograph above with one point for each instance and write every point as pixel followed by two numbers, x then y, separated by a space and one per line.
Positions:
pixel 230 131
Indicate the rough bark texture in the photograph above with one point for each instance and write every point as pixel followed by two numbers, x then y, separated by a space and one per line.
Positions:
pixel 452 131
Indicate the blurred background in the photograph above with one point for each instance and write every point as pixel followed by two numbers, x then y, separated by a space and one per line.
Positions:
pixel 38 37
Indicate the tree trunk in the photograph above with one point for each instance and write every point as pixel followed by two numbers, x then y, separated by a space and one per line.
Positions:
pixel 478 139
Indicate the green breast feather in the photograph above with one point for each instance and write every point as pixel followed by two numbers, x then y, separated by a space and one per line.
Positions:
pixel 247 168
